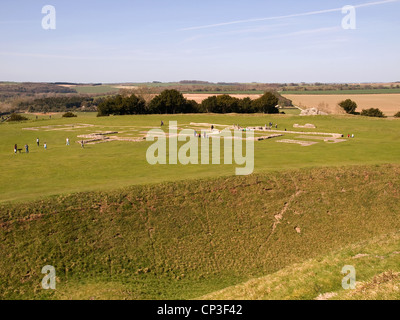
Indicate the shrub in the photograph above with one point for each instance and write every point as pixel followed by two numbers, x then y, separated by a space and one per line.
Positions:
pixel 397 115
pixel 349 106
pixel 372 113
pixel 69 115
pixel 17 117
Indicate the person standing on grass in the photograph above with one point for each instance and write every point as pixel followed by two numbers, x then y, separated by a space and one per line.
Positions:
pixel 45 146
pixel 15 149
pixel 26 148
pixel 37 142
pixel 82 144
pixel 67 141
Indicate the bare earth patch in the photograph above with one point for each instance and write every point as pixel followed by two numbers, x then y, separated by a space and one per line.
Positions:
pixel 326 139
pixel 199 98
pixel 388 103
pixel 306 126
pixel 302 143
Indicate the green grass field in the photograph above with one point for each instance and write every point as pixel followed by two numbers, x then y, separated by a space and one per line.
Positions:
pixel 63 169
pixel 291 111
pixel 115 227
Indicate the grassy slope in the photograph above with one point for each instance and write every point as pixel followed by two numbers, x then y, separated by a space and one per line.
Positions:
pixel 63 170
pixel 377 264
pixel 186 239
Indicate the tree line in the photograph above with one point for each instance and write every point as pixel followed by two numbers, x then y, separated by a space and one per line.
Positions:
pixel 173 102
pixel 59 104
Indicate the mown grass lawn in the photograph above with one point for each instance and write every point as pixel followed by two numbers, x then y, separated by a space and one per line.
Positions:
pixel 61 169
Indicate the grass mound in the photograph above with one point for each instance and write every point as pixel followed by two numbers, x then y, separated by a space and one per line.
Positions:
pixel 186 239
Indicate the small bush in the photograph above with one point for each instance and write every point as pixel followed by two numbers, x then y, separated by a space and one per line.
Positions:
pixel 349 106
pixel 69 115
pixel 372 113
pixel 17 117
pixel 397 115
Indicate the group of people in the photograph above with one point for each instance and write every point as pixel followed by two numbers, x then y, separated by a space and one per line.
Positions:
pixel 16 148
pixel 198 135
pixel 38 144
pixel 271 125
pixel 67 142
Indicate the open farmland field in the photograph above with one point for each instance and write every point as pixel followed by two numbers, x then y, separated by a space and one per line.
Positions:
pixel 200 97
pixel 388 103
pixel 346 92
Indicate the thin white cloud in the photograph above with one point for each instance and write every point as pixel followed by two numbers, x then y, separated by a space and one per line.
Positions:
pixel 368 4
pixel 242 31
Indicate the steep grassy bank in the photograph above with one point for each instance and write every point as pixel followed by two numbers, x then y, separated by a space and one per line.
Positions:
pixel 377 266
pixel 183 240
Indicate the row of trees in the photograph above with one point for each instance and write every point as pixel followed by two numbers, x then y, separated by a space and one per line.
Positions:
pixel 173 102
pixel 227 104
pixel 350 107
pixel 59 103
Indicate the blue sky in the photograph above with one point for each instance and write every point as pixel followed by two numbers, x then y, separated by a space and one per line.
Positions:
pixel 219 40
